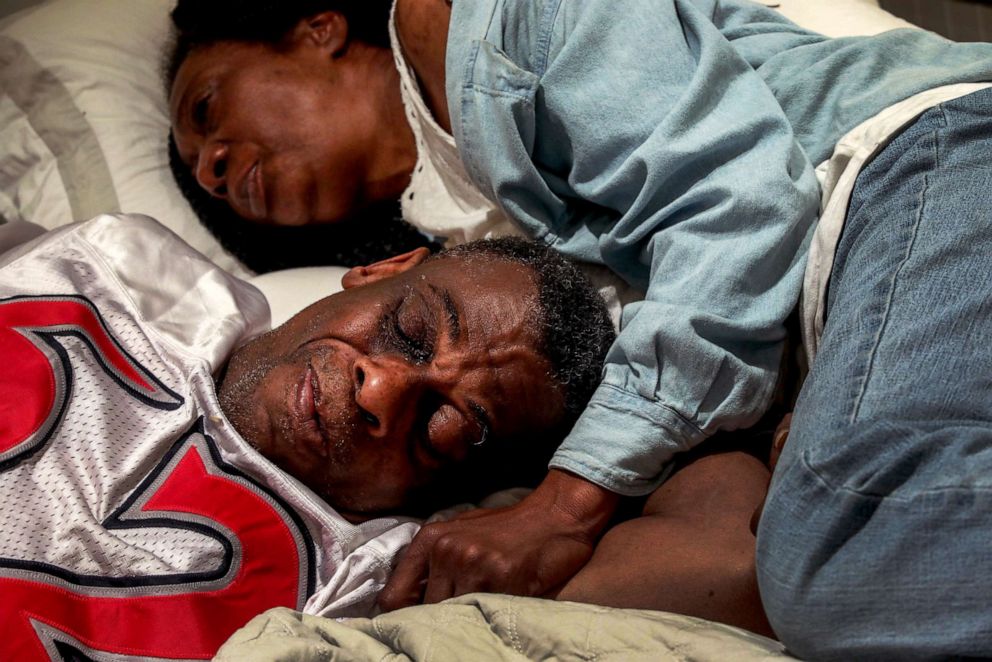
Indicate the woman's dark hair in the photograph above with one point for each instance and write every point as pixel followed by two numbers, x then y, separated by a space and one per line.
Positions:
pixel 575 332
pixel 199 23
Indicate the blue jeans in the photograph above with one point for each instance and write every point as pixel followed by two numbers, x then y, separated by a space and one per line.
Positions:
pixel 876 538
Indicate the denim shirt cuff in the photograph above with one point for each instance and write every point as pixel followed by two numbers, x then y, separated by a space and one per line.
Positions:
pixel 625 442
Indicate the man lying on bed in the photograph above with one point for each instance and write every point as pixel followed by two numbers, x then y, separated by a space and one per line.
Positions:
pixel 155 465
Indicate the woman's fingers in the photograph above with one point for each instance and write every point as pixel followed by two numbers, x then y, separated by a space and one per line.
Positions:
pixel 525 549
pixel 407 585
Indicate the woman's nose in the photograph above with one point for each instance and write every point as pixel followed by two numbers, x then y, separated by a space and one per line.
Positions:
pixel 211 169
pixel 386 392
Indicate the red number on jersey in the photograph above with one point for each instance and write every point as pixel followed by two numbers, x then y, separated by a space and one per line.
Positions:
pixel 47 610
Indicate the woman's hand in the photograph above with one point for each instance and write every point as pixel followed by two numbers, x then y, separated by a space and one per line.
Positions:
pixel 531 548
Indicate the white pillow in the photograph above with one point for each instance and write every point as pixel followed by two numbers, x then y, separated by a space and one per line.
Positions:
pixel 291 290
pixel 83 121
pixel 839 18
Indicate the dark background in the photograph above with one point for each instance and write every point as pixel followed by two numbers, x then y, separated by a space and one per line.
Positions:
pixel 960 20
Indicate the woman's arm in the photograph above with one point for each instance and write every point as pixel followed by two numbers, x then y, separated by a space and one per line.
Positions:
pixel 640 139
pixel 626 132
pixel 531 548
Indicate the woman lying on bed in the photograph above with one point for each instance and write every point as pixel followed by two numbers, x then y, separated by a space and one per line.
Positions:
pixel 671 141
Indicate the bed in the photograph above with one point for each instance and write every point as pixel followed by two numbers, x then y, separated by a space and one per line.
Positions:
pixel 83 131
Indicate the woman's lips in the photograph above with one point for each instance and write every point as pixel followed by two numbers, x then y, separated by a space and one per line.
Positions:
pixel 255 191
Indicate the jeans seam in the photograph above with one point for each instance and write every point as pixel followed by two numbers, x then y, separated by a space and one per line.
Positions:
pixel 840 489
pixel 921 202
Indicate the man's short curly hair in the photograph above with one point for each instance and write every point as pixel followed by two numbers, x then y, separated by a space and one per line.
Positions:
pixel 576 330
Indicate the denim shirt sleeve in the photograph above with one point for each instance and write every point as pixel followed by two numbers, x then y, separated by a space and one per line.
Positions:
pixel 629 133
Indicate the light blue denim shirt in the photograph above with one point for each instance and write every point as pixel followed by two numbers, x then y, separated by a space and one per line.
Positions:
pixel 645 135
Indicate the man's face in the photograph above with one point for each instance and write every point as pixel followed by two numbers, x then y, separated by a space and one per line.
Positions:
pixel 372 393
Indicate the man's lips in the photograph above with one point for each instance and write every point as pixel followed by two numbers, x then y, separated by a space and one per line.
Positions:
pixel 309 424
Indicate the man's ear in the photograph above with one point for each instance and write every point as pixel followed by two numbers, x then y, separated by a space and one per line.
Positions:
pixel 383 269
pixel 327 30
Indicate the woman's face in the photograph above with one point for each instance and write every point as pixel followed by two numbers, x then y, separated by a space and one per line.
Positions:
pixel 285 136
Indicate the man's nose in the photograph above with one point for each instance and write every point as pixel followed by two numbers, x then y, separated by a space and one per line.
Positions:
pixel 388 392
pixel 211 168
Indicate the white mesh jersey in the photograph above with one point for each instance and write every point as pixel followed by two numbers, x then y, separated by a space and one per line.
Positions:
pixel 135 522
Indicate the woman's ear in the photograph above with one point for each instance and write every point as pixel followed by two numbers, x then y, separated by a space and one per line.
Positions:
pixel 383 269
pixel 327 30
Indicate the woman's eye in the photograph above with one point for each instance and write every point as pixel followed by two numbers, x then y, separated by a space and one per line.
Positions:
pixel 200 110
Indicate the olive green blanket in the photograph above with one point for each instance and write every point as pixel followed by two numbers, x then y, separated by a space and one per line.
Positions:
pixel 496 627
